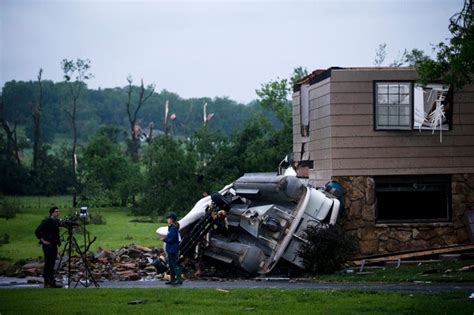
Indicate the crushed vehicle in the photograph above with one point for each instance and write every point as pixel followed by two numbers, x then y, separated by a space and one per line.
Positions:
pixel 255 222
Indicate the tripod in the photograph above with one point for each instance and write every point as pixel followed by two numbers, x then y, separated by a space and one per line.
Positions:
pixel 71 243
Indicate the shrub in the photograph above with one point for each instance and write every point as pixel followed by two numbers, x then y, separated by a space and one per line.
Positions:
pixel 6 239
pixel 97 219
pixel 7 209
pixel 327 248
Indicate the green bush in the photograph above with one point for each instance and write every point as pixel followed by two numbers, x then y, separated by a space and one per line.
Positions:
pixel 7 209
pixel 326 249
pixel 97 219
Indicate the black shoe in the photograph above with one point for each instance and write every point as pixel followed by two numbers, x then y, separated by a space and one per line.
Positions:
pixel 177 282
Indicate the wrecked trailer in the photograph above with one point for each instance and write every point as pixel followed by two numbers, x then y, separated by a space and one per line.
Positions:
pixel 255 222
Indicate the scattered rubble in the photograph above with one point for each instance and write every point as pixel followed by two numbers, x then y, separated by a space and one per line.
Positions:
pixel 132 262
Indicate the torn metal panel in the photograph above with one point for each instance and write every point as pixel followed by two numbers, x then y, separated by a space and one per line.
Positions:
pixel 432 108
pixel 263 222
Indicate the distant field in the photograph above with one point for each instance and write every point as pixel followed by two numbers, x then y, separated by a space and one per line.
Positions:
pixel 117 231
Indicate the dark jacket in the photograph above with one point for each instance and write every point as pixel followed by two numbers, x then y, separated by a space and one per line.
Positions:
pixel 172 239
pixel 48 230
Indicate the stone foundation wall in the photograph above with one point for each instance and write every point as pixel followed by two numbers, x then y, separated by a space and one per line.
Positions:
pixel 373 238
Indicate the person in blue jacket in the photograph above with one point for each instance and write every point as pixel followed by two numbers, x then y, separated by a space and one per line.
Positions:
pixel 172 249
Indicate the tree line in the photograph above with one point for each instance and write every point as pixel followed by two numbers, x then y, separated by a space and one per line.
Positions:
pixel 133 146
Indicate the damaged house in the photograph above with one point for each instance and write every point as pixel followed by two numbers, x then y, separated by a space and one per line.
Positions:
pixel 407 187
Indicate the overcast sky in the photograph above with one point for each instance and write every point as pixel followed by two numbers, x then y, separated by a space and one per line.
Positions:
pixel 213 48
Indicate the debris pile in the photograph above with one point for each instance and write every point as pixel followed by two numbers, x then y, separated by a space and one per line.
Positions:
pixel 132 262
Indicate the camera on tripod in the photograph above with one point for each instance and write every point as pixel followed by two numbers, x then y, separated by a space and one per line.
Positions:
pixel 75 219
pixel 77 223
pixel 70 221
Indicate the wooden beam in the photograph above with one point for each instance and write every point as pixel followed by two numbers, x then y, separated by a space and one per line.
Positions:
pixel 427 252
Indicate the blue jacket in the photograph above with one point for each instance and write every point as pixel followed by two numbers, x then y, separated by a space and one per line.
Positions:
pixel 172 239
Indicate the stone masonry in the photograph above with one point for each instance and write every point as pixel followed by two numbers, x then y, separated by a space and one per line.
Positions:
pixel 375 238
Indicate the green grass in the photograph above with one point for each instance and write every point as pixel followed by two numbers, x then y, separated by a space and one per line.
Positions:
pixel 427 272
pixel 117 231
pixel 200 301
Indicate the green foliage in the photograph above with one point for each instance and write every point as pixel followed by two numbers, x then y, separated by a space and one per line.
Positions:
pixel 53 175
pixel 260 147
pixel 106 107
pixel 454 63
pixel 77 69
pixel 274 96
pixel 215 166
pixel 326 249
pixel 97 219
pixel 171 182
pixel 234 301
pixel 8 209
pixel 6 239
pixel 109 178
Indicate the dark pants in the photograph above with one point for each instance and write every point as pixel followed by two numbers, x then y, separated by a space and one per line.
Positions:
pixel 173 264
pixel 50 253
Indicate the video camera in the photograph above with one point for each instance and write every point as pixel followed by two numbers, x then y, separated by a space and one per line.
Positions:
pixel 69 221
pixel 74 220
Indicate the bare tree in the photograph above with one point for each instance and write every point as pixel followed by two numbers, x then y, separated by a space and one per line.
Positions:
pixel 13 150
pixel 380 55
pixel 132 112
pixel 36 113
pixel 79 69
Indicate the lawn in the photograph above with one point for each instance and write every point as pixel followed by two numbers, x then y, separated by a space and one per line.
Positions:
pixel 119 229
pixel 196 301
pixel 426 272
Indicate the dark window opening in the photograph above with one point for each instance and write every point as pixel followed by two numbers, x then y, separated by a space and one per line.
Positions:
pixel 413 198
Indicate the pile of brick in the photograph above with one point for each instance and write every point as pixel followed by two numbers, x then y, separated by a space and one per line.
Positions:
pixel 132 262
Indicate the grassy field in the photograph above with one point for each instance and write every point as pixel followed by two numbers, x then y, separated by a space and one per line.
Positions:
pixel 211 301
pixel 426 272
pixel 118 230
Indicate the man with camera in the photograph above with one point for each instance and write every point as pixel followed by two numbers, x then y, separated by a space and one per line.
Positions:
pixel 48 234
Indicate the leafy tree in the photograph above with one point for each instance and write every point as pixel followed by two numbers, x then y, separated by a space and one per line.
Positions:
pixel 107 174
pixel 14 178
pixel 209 148
pixel 415 56
pixel 171 183
pixel 53 175
pixel 274 96
pixel 454 63
pixel 260 147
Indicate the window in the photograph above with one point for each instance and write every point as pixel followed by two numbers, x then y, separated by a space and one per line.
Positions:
pixel 413 198
pixel 393 105
pixel 407 106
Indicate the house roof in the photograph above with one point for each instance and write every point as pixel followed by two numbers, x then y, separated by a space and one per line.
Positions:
pixel 321 74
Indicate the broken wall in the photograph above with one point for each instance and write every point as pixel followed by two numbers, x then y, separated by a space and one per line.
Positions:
pixel 382 238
